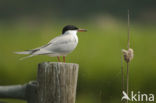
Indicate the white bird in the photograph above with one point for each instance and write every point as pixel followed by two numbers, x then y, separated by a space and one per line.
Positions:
pixel 59 46
pixel 125 96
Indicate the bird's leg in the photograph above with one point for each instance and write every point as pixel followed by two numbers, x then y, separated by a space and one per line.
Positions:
pixel 64 59
pixel 58 58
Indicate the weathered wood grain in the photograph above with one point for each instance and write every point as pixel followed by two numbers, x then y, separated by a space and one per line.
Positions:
pixel 57 82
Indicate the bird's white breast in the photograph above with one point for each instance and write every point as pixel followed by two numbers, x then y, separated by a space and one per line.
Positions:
pixel 72 34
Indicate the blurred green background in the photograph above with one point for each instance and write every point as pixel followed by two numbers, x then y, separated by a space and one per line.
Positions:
pixel 26 24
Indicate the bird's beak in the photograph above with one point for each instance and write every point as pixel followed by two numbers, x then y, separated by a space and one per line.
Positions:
pixel 82 30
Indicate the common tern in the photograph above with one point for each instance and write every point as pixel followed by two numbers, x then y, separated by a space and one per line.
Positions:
pixel 59 46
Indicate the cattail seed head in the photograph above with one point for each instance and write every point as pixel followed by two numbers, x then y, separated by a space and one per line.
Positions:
pixel 128 54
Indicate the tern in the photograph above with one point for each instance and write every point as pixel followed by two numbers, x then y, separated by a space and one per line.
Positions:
pixel 59 46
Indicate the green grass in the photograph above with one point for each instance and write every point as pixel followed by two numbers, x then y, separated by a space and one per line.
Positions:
pixel 98 53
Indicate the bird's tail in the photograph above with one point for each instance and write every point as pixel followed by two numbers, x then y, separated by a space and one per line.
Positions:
pixel 24 52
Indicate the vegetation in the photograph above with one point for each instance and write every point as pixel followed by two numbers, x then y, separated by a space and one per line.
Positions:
pixel 98 53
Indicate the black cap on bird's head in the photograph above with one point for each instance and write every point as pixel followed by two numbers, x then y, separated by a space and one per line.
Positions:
pixel 72 27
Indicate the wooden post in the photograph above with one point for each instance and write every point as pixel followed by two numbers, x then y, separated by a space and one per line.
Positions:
pixel 57 82
pixel 25 92
pixel 13 91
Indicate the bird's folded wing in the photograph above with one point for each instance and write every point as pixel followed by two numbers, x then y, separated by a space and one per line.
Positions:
pixel 56 39
pixel 56 42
